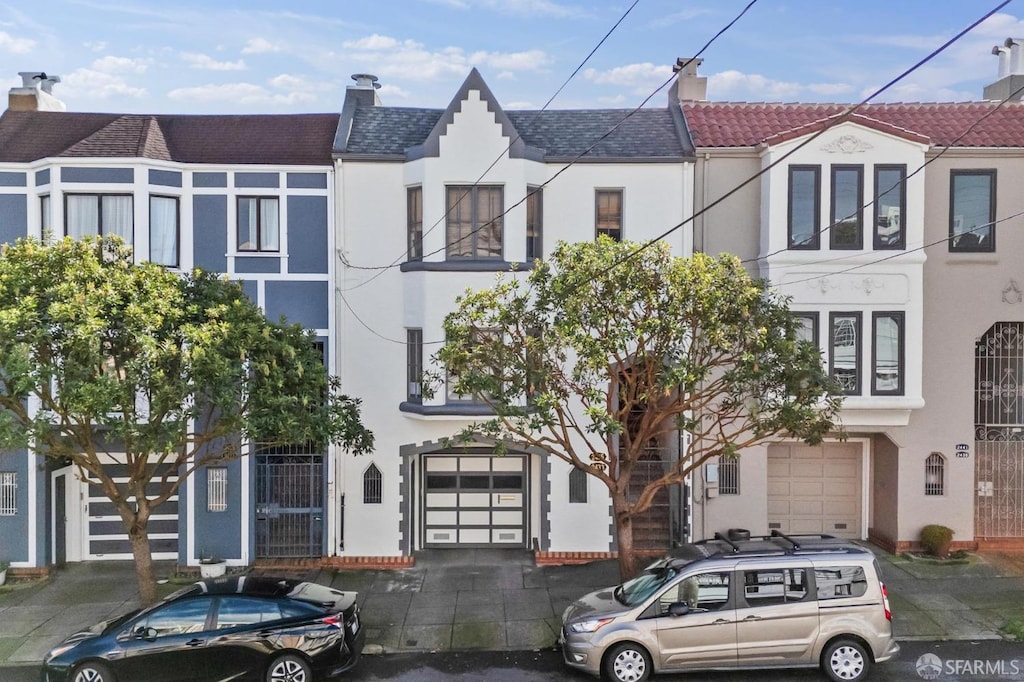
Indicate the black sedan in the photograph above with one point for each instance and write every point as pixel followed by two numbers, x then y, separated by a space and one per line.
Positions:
pixel 229 628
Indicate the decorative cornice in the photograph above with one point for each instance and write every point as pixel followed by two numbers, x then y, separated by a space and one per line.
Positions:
pixel 1012 293
pixel 847 144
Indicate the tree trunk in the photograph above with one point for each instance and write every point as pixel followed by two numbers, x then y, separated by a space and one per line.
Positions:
pixel 624 537
pixel 138 535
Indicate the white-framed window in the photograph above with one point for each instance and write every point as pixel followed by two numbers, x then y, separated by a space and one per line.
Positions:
pixel 728 475
pixel 259 224
pixel 90 215
pixel 163 230
pixel 217 489
pixel 8 493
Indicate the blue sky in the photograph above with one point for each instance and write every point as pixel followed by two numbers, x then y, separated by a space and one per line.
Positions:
pixel 256 56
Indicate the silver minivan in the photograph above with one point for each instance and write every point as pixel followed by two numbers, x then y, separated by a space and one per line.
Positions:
pixel 779 601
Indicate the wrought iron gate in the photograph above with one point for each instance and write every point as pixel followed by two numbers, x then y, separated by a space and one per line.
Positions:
pixel 999 432
pixel 289 505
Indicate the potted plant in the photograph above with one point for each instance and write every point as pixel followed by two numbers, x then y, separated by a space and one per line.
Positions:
pixel 4 565
pixel 211 567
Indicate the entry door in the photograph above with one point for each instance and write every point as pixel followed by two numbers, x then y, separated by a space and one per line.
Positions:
pixel 289 505
pixel 67 514
pixel 60 520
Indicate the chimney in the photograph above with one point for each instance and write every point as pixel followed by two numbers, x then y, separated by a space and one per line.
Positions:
pixel 35 93
pixel 1010 79
pixel 364 92
pixel 688 85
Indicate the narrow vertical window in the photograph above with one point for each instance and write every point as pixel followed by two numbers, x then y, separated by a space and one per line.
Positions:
pixel 216 489
pixel 804 213
pixel 935 474
pixel 844 351
pixel 972 212
pixel 373 485
pixel 609 213
pixel 890 207
pixel 534 223
pixel 846 229
pixel 577 486
pixel 259 226
pixel 8 493
pixel 44 215
pixel 414 222
pixel 887 353
pixel 414 365
pixel 728 475
pixel 806 327
pixel 163 230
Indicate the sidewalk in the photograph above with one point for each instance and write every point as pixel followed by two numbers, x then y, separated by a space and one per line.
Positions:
pixel 498 599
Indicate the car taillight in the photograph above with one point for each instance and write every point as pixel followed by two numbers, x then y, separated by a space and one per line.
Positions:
pixel 333 619
pixel 885 602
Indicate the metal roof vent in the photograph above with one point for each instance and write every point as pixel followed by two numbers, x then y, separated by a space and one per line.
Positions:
pixel 366 80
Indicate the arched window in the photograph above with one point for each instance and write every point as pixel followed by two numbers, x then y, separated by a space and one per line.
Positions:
pixel 935 474
pixel 577 485
pixel 373 485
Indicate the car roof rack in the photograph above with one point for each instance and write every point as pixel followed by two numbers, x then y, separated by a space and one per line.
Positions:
pixel 775 544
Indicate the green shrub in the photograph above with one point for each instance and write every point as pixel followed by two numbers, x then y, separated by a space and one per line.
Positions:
pixel 936 539
pixel 1014 629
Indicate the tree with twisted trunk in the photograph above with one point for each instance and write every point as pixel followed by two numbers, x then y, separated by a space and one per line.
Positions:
pixel 609 347
pixel 106 361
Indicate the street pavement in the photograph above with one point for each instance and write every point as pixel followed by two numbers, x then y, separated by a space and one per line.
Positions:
pixel 498 600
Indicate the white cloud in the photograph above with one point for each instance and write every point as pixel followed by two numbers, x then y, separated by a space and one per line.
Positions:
pixel 9 43
pixel 542 8
pixel 634 75
pixel 378 42
pixel 111 64
pixel 260 46
pixel 677 17
pixel 95 46
pixel 93 84
pixel 208 63
pixel 531 60
pixel 288 82
pixel 240 93
pixel 754 87
pixel 389 91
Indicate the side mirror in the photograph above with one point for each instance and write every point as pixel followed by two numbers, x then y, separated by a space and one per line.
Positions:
pixel 678 609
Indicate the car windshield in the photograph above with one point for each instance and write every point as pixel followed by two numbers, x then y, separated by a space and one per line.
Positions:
pixel 636 590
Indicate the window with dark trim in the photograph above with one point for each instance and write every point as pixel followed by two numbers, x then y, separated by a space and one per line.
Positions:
pixel 90 215
pixel 608 213
pixel 935 474
pixel 414 222
pixel 728 475
pixel 846 226
pixel 807 326
pixel 259 224
pixel 890 207
pixel 164 230
pixel 887 352
pixel 414 365
pixel 577 486
pixel 534 223
pixel 373 485
pixel 972 210
pixel 844 350
pixel 804 207
pixel 474 222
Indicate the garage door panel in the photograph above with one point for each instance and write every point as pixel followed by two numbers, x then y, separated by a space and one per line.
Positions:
pixel 474 464
pixel 474 536
pixel 474 518
pixel 809 488
pixel 507 536
pixel 807 470
pixel 778 508
pixel 508 464
pixel 807 508
pixel 442 464
pixel 442 500
pixel 442 536
pixel 442 518
pixel 815 489
pixel 777 488
pixel 475 501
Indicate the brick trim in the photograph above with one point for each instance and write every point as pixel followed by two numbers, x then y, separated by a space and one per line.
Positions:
pixel 570 558
pixel 29 572
pixel 358 562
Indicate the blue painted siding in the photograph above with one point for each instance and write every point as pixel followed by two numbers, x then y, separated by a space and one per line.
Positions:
pixel 257 180
pixel 14 529
pixel 209 179
pixel 43 177
pixel 43 516
pixel 164 178
pixel 307 180
pixel 183 502
pixel 307 234
pixel 9 179
pixel 210 232
pixel 13 217
pixel 250 288
pixel 112 175
pixel 304 303
pixel 218 533
pixel 244 264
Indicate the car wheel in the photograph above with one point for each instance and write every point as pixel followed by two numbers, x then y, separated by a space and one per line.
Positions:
pixel 92 672
pixel 846 660
pixel 289 668
pixel 627 662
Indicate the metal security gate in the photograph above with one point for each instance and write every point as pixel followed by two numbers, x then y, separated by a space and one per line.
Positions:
pixel 289 505
pixel 999 432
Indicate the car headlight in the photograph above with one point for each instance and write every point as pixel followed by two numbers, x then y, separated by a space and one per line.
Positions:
pixel 62 649
pixel 592 625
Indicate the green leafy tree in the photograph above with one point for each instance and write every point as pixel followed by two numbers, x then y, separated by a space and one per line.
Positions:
pixel 597 354
pixel 101 357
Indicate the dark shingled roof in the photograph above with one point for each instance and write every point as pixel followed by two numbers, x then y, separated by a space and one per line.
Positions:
pixel 741 124
pixel 559 134
pixel 291 139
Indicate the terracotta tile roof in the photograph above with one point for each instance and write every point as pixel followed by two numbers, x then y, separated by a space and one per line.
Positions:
pixel 295 139
pixel 742 124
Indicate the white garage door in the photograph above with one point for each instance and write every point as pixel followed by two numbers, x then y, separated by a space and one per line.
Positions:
pixel 474 501
pixel 815 489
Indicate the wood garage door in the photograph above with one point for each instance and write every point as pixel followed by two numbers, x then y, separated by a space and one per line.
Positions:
pixel 815 489
pixel 473 501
